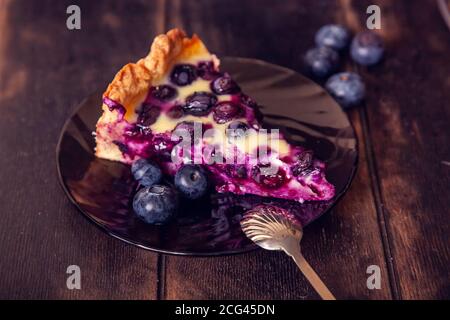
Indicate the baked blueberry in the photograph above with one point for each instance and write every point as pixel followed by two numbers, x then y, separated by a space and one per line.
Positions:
pixel 225 85
pixel 199 103
pixel 175 112
pixel 146 172
pixel 163 92
pixel 156 204
pixel 245 99
pixel 367 48
pixel 347 88
pixel 268 176
pixel 321 61
pixel 206 70
pixel 192 181
pixel 334 36
pixel 237 129
pixel 302 162
pixel 226 111
pixel 183 74
pixel 238 171
pixel 148 115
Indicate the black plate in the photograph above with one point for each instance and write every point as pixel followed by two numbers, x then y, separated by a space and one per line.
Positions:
pixel 103 189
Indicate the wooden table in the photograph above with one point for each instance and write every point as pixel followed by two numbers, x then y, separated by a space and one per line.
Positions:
pixel 395 215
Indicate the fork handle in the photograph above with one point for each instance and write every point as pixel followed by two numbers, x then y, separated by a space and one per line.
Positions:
pixel 312 276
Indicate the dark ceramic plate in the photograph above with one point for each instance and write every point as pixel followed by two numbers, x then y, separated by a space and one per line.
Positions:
pixel 102 190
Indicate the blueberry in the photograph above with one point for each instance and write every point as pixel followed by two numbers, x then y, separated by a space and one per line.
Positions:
pixel 367 48
pixel 186 125
pixel 225 85
pixel 263 175
pixel 236 171
pixel 321 61
pixel 192 181
pixel 146 172
pixel 175 112
pixel 164 92
pixel 206 70
pixel 302 162
pixel 199 103
pixel 226 111
pixel 347 88
pixel 156 204
pixel 183 74
pixel 245 99
pixel 237 129
pixel 334 36
pixel 148 115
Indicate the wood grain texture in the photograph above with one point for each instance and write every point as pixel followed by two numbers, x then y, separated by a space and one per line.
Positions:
pixel 408 115
pixel 340 245
pixel 45 71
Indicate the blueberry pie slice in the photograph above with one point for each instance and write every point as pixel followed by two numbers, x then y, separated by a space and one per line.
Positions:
pixel 176 95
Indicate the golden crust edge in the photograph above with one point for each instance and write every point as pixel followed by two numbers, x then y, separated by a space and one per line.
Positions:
pixel 131 83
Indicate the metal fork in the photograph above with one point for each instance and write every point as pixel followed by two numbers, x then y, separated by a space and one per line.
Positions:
pixel 274 228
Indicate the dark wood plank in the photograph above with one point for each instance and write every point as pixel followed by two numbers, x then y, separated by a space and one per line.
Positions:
pixel 408 113
pixel 341 244
pixel 45 70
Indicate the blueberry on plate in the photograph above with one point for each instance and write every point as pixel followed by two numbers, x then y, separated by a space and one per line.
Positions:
pixel 156 204
pixel 146 172
pixel 347 88
pixel 367 48
pixel 334 36
pixel 321 61
pixel 192 181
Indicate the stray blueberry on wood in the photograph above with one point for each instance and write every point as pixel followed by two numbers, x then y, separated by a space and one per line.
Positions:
pixel 321 62
pixel 367 48
pixel 347 88
pixel 334 36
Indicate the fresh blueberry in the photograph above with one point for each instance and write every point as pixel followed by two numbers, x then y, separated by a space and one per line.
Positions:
pixel 164 92
pixel 156 204
pixel 268 177
pixel 321 61
pixel 334 36
pixel 237 129
pixel 226 111
pixel 192 181
pixel 199 103
pixel 225 85
pixel 183 74
pixel 347 88
pixel 146 172
pixel 367 48
pixel 206 70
